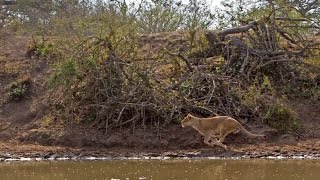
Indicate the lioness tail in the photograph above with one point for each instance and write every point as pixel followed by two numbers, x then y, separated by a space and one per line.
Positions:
pixel 249 133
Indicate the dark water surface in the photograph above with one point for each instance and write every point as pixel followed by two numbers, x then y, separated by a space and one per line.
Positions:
pixel 246 169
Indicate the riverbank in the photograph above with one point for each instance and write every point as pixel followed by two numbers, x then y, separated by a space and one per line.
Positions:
pixel 29 130
pixel 14 151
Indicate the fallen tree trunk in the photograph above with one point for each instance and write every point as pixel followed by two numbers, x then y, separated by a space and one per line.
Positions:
pixel 7 2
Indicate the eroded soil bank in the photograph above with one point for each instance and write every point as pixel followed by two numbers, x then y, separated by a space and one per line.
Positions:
pixel 28 131
pixel 15 152
pixel 284 146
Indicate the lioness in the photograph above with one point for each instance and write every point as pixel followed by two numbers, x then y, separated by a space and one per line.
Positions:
pixel 215 127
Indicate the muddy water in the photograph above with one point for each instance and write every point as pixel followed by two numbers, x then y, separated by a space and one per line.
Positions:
pixel 163 169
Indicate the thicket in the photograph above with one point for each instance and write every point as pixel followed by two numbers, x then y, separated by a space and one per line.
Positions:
pixel 106 74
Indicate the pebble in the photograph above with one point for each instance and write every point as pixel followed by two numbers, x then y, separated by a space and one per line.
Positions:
pixel 264 155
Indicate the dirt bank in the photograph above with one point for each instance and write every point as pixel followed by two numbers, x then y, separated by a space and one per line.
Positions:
pixel 27 129
pixel 302 150
pixel 173 141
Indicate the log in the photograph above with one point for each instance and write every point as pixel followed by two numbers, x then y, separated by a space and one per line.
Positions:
pixel 7 2
pixel 236 30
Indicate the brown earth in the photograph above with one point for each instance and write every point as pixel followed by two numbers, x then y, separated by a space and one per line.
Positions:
pixel 28 129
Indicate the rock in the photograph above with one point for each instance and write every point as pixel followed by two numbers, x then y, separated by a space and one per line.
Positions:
pixel 287 139
pixel 113 140
pixel 5 136
pixel 48 155
pixel 38 136
pixel 271 132
pixel 164 143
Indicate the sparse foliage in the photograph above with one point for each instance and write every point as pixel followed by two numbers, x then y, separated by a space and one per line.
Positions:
pixel 108 75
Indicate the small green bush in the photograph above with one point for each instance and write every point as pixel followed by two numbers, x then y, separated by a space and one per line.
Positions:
pixel 44 48
pixel 301 88
pixel 282 118
pixel 19 90
pixel 254 96
pixel 41 48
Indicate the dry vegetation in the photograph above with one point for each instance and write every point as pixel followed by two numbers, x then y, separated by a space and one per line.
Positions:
pixel 109 71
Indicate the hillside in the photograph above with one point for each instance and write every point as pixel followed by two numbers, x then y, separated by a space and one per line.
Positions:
pixel 28 125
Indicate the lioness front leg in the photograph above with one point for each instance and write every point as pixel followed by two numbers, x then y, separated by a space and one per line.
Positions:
pixel 218 143
pixel 214 141
pixel 207 139
pixel 223 135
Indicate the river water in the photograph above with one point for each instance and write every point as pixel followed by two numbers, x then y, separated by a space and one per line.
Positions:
pixel 239 169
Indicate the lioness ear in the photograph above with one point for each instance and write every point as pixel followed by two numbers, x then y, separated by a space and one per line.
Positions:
pixel 189 115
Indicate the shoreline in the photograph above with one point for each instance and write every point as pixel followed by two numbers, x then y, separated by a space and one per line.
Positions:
pixel 167 155
pixel 308 148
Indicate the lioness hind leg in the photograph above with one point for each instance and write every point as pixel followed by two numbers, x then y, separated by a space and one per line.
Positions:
pixel 223 135
pixel 235 132
pixel 221 139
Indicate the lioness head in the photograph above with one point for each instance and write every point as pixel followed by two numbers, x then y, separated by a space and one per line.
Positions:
pixel 187 121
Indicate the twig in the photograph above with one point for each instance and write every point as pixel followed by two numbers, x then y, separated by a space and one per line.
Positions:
pixel 245 62
pixel 184 77
pixel 183 58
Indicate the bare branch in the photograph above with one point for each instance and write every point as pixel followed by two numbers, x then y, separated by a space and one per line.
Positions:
pixel 183 58
pixel 236 30
pixel 291 19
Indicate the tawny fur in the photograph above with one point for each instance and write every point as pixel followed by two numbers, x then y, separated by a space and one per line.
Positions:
pixel 216 128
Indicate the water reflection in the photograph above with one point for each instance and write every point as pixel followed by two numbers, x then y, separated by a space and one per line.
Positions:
pixel 169 169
